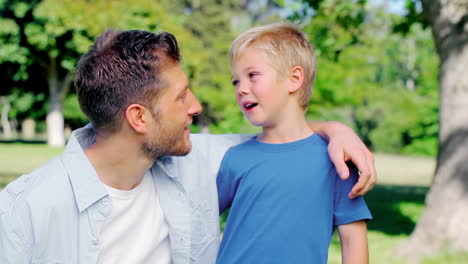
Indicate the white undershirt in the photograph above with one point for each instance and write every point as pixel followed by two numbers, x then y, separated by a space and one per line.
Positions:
pixel 135 231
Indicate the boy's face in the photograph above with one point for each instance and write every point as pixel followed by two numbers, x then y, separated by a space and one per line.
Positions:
pixel 261 92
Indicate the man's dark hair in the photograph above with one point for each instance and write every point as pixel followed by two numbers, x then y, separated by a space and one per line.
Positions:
pixel 122 68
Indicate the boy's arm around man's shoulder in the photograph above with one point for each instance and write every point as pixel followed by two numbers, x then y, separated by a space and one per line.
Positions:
pixel 345 145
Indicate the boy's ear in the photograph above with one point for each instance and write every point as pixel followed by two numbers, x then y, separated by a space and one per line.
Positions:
pixel 296 79
pixel 137 118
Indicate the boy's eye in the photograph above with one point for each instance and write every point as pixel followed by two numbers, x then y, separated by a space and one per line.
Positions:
pixel 252 74
pixel 235 82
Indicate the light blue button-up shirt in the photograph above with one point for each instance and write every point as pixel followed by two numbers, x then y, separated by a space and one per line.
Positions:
pixel 55 213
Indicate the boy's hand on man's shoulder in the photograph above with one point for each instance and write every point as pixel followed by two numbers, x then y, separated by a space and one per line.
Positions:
pixel 344 146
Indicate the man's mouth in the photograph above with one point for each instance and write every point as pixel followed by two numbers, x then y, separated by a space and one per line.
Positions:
pixel 187 128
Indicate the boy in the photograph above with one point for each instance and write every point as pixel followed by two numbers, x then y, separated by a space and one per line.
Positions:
pixel 284 206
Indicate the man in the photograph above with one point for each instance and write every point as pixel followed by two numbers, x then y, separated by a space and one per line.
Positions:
pixel 117 194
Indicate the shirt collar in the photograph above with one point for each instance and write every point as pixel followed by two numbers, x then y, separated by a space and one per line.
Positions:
pixel 87 186
pixel 166 163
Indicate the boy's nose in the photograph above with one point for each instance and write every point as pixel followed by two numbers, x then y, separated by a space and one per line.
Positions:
pixel 242 89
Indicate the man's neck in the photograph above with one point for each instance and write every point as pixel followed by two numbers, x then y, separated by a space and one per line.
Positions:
pixel 118 162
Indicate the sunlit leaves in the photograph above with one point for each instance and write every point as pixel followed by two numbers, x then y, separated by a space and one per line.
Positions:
pixel 381 83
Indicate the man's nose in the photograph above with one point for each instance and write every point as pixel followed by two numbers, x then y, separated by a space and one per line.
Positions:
pixel 195 107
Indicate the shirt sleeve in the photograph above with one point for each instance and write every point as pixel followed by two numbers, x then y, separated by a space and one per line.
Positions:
pixel 212 148
pixel 348 210
pixel 13 245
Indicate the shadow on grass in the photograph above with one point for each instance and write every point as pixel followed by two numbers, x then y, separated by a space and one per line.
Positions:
pixel 15 141
pixel 384 202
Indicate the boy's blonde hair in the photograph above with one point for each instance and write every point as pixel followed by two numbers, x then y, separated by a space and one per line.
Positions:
pixel 286 46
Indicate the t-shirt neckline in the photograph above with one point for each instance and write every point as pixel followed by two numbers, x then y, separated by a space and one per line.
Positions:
pixel 281 147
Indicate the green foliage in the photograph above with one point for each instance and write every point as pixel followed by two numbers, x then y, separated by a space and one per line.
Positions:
pixel 11 53
pixel 41 37
pixel 414 15
pixel 336 24
pixel 23 102
pixel 381 83
pixel 67 28
pixel 72 113
pixel 210 22
pixel 384 85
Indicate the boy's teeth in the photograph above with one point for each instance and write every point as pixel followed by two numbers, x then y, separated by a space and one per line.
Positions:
pixel 248 106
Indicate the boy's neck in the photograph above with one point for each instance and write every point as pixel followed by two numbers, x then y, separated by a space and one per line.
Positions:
pixel 290 128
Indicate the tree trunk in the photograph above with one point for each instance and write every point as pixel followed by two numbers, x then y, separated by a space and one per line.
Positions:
pixel 5 123
pixel 57 92
pixel 444 219
pixel 55 125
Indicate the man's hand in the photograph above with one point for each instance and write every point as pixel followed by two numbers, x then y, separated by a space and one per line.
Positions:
pixel 344 145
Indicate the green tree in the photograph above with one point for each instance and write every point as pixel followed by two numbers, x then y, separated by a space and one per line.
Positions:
pixel 442 223
pixel 376 82
pixel 55 33
pixel 13 63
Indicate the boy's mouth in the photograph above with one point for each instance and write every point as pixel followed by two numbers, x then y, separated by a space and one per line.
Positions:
pixel 249 106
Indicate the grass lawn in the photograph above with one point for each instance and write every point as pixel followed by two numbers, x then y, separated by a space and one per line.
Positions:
pixel 395 209
pixel 396 203
pixel 20 158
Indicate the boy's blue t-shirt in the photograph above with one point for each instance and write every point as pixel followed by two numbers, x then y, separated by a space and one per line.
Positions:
pixel 285 201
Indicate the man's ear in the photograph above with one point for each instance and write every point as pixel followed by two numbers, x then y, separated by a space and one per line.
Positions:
pixel 296 79
pixel 137 117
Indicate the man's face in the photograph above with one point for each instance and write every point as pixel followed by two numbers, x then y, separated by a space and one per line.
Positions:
pixel 172 116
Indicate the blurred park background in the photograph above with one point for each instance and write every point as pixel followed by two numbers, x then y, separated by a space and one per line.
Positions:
pixel 384 67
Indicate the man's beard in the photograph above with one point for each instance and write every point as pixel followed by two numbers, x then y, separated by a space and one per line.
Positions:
pixel 166 143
